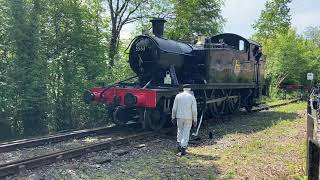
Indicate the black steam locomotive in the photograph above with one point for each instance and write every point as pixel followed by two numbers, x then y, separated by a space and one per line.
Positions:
pixel 226 72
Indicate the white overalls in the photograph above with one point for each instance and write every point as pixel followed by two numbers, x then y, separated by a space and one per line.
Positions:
pixel 185 111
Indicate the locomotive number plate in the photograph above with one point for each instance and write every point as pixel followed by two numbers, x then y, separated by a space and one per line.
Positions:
pixel 141 46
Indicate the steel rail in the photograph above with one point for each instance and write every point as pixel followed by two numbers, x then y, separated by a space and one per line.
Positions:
pixel 54 138
pixel 275 105
pixel 16 167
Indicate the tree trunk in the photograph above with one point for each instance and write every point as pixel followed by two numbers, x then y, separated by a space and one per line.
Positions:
pixel 113 46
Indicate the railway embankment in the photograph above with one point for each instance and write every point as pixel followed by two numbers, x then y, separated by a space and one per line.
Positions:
pixel 268 144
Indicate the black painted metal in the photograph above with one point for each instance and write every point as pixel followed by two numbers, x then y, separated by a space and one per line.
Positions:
pixel 313 146
pixel 150 57
pixel 313 160
pixel 158 26
pixel 226 62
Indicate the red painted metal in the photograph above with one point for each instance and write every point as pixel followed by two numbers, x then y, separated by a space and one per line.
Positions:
pixel 145 97
pixel 96 92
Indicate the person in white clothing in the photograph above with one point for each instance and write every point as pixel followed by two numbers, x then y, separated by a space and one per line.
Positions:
pixel 184 110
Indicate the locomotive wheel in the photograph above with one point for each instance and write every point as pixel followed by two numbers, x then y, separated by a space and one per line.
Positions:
pixel 120 116
pixel 155 118
pixel 217 108
pixel 233 105
pixel 248 108
pixel 144 119
pixel 211 110
pixel 249 104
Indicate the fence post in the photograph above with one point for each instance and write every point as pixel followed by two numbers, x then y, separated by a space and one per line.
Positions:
pixel 309 133
pixel 313 160
pixel 313 147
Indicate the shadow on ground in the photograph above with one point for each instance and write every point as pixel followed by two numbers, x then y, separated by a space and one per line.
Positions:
pixel 158 160
pixel 244 123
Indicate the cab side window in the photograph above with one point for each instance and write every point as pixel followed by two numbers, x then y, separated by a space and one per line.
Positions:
pixel 241 45
pixel 257 53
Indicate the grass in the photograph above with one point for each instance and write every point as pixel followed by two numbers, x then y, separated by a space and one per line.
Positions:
pixel 272 101
pixel 262 145
pixel 277 151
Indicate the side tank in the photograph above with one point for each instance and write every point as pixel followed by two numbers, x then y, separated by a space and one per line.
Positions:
pixel 230 58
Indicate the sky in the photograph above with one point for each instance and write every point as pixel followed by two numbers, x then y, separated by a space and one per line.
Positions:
pixel 241 14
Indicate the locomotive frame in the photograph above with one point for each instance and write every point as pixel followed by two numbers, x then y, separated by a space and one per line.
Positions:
pixel 225 73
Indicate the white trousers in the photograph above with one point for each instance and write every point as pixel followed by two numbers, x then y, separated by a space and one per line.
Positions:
pixel 184 126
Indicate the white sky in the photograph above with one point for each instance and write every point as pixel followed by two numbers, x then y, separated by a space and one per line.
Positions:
pixel 241 14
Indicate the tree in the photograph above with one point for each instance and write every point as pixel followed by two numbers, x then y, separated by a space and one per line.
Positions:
pixel 153 9
pixel 74 39
pixel 50 52
pixel 289 58
pixel 29 68
pixel 195 16
pixel 121 13
pixel 313 34
pixel 7 85
pixel 275 18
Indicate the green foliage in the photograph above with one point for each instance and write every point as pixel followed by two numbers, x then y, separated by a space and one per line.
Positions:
pixel 122 69
pixel 185 18
pixel 275 18
pixel 50 52
pixel 313 34
pixel 29 67
pixel 75 45
pixel 121 13
pixel 195 16
pixel 289 58
pixel 7 99
pixel 285 57
pixel 153 9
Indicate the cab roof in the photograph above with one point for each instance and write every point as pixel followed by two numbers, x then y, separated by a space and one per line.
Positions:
pixel 230 37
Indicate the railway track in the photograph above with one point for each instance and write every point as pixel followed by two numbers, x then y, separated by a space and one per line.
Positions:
pixel 275 105
pixel 15 167
pixel 55 138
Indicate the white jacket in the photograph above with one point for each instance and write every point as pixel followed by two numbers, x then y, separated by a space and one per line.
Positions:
pixel 185 106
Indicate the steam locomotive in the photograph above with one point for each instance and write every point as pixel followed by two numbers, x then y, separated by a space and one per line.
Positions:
pixel 226 72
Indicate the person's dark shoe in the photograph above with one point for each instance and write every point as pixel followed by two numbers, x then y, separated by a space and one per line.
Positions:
pixel 179 148
pixel 183 151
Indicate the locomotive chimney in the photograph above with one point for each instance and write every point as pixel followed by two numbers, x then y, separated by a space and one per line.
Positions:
pixel 158 26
